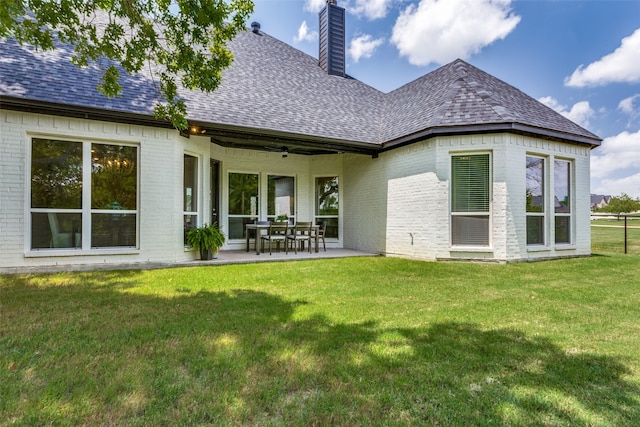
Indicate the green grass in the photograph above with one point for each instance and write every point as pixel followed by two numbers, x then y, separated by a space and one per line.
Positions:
pixel 607 236
pixel 362 341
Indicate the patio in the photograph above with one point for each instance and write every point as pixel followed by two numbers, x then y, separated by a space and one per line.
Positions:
pixel 244 257
pixel 225 257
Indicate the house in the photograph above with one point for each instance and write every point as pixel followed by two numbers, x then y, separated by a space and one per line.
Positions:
pixel 599 201
pixel 456 165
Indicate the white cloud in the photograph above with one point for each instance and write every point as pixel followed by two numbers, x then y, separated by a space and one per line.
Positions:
pixel 627 105
pixel 616 186
pixel 617 161
pixel 631 107
pixel 314 6
pixel 304 34
pixel 580 113
pixel 442 30
pixel 372 9
pixel 623 65
pixel 363 46
pixel 553 103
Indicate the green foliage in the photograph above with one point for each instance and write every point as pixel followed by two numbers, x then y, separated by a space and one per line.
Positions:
pixel 327 194
pixel 207 237
pixel 243 193
pixel 114 177
pixel 186 40
pixel 622 204
pixel 56 174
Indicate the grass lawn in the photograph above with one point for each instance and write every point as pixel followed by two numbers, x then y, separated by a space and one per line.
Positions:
pixel 362 341
pixel 608 236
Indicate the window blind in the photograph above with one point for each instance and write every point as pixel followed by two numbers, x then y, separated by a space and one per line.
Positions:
pixel 470 183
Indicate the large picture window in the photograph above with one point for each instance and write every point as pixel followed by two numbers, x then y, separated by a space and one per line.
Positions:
pixel 83 195
pixel 538 198
pixel 243 202
pixel 562 201
pixel 470 199
pixel 535 200
pixel 281 198
pixel 327 209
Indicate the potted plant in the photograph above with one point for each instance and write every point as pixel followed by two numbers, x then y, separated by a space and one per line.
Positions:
pixel 282 218
pixel 208 239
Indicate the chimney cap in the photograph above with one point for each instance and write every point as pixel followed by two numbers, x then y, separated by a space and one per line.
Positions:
pixel 255 27
pixel 332 2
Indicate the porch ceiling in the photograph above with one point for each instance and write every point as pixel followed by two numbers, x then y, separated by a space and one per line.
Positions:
pixel 264 140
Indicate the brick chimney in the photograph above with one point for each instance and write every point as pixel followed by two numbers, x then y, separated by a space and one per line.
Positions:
pixel 332 39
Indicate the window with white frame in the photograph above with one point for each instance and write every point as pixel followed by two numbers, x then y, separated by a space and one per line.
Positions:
pixel 327 204
pixel 190 193
pixel 244 204
pixel 471 199
pixel 83 194
pixel 535 199
pixel 562 200
pixel 281 198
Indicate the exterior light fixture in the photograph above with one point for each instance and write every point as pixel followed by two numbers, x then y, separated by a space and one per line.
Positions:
pixel 192 130
pixel 285 151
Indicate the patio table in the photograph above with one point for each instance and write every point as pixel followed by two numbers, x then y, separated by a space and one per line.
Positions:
pixel 258 227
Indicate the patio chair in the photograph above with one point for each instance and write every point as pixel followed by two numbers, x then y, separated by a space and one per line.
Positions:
pixel 322 228
pixel 277 232
pixel 301 233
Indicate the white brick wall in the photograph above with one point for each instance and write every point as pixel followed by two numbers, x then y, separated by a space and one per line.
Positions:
pixel 398 204
pixel 159 190
pixel 160 186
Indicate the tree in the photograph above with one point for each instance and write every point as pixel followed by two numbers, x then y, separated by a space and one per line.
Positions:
pixel 184 39
pixel 622 204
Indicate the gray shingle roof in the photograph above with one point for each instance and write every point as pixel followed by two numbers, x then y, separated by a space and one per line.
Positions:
pixel 274 87
pixel 459 94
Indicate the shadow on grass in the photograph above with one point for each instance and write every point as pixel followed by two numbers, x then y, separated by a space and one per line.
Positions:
pixel 600 255
pixel 98 354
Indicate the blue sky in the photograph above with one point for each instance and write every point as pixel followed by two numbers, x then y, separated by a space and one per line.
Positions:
pixel 580 57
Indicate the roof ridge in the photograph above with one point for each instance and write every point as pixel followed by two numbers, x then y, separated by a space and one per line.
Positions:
pixel 447 102
pixel 463 103
pixel 470 77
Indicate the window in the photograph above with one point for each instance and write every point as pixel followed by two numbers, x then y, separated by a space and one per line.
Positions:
pixel 535 201
pixel 327 199
pixel 538 200
pixel 190 194
pixel 243 202
pixel 83 194
pixel 562 201
pixel 281 197
pixel 470 199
